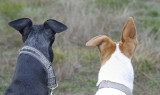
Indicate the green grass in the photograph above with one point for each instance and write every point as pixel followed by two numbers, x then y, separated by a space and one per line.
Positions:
pixel 152 23
pixel 146 65
pixel 77 66
pixel 114 5
pixel 10 10
pixel 150 17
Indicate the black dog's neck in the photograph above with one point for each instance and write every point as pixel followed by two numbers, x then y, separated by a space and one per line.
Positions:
pixel 47 52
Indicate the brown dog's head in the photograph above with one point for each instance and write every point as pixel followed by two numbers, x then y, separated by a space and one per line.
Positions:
pixel 107 47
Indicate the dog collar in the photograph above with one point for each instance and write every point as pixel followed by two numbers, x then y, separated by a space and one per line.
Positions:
pixel 118 86
pixel 43 60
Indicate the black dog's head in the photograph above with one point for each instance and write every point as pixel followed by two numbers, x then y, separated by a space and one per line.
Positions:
pixel 39 36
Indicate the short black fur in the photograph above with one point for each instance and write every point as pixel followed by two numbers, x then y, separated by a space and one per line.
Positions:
pixel 30 77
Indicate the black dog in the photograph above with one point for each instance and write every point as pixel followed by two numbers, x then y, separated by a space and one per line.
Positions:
pixel 30 77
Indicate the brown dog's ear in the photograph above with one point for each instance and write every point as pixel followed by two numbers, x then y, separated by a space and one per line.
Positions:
pixel 128 40
pixel 129 30
pixel 99 40
pixel 95 41
pixel 105 45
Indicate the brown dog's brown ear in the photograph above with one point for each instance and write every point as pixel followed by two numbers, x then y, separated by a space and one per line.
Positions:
pixel 96 41
pixel 128 40
pixel 105 45
pixel 129 30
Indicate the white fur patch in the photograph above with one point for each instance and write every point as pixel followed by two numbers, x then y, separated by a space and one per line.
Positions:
pixel 117 69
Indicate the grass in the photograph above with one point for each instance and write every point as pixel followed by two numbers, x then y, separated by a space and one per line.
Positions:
pixel 10 8
pixel 77 66
pixel 114 5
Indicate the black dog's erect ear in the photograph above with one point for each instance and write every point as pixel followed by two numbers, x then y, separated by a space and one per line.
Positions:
pixel 55 26
pixel 20 24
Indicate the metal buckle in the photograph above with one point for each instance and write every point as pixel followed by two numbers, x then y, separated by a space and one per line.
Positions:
pixel 52 89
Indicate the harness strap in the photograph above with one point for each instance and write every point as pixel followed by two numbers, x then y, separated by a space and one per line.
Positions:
pixel 43 60
pixel 118 86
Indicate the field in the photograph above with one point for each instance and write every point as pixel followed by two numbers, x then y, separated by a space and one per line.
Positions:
pixel 76 65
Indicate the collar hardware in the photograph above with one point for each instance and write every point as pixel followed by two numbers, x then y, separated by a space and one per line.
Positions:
pixel 52 89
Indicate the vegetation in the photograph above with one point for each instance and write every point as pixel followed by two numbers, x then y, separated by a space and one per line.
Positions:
pixel 76 65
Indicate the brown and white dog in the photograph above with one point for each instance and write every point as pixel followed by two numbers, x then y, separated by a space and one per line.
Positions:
pixel 116 58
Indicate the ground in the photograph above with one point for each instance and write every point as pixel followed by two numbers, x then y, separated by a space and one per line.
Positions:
pixel 76 65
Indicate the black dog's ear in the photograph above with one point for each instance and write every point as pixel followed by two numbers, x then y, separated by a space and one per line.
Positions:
pixel 55 26
pixel 20 24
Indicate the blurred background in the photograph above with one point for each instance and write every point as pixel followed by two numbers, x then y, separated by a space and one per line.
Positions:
pixel 76 65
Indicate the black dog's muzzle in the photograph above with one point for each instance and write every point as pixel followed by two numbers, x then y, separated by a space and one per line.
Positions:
pixel 43 60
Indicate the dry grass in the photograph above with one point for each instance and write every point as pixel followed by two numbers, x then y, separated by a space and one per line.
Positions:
pixel 76 66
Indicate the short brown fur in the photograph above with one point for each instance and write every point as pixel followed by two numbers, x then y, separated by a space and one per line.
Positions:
pixel 128 39
pixel 107 47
